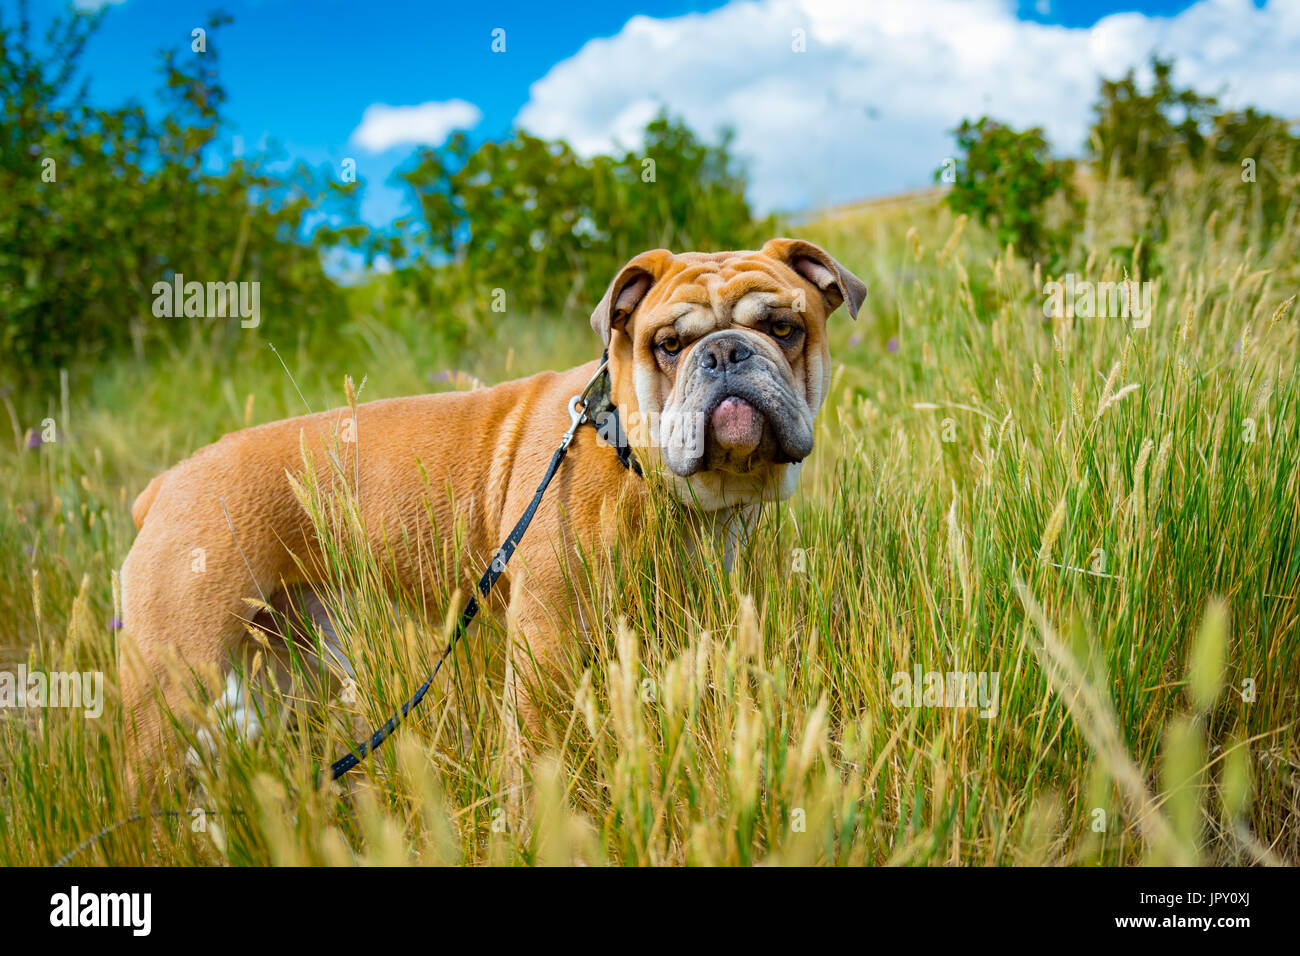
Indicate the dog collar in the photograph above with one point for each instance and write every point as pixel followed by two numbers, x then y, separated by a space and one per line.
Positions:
pixel 603 415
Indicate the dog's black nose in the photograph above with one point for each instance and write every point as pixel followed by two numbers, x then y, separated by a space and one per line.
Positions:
pixel 723 354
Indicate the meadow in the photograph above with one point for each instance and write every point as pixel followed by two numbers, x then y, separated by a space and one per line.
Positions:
pixel 1102 513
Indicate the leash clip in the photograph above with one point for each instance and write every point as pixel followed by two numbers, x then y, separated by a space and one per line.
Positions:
pixel 577 415
pixel 578 406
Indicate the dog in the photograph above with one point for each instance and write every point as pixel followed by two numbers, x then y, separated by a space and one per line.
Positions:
pixel 717 365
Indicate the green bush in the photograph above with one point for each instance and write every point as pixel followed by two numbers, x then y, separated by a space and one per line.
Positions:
pixel 1004 178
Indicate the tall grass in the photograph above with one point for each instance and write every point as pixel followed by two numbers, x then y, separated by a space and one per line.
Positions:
pixel 1103 516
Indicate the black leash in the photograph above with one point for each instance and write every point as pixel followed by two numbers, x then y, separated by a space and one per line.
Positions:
pixel 599 405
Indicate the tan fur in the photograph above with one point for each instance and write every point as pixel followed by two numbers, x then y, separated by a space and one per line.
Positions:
pixel 142 502
pixel 484 453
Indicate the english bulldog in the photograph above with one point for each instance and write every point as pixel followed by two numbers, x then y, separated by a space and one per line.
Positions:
pixel 717 365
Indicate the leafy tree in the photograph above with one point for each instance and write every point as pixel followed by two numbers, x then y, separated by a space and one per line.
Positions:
pixel 1141 136
pixel 1258 154
pixel 532 217
pixel 1145 136
pixel 101 204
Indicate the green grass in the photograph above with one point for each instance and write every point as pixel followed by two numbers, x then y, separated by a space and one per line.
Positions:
pixel 1116 510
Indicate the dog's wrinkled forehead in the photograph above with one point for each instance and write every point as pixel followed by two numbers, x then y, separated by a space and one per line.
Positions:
pixel 720 290
pixel 786 272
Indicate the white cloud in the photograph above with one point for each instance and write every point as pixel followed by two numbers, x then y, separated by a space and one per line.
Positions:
pixel 427 124
pixel 96 4
pixel 867 108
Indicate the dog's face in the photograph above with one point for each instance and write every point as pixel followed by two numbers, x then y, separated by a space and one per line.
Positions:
pixel 719 363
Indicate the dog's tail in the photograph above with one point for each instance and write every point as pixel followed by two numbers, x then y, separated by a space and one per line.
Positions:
pixel 145 500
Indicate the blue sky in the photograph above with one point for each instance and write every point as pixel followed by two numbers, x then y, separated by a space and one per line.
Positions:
pixel 863 112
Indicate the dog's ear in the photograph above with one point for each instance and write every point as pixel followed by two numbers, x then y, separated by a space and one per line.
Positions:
pixel 819 267
pixel 627 290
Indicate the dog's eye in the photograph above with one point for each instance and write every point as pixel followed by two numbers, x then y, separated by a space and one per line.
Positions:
pixel 671 345
pixel 782 330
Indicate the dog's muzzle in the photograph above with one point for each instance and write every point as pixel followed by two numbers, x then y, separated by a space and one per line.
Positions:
pixel 736 409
